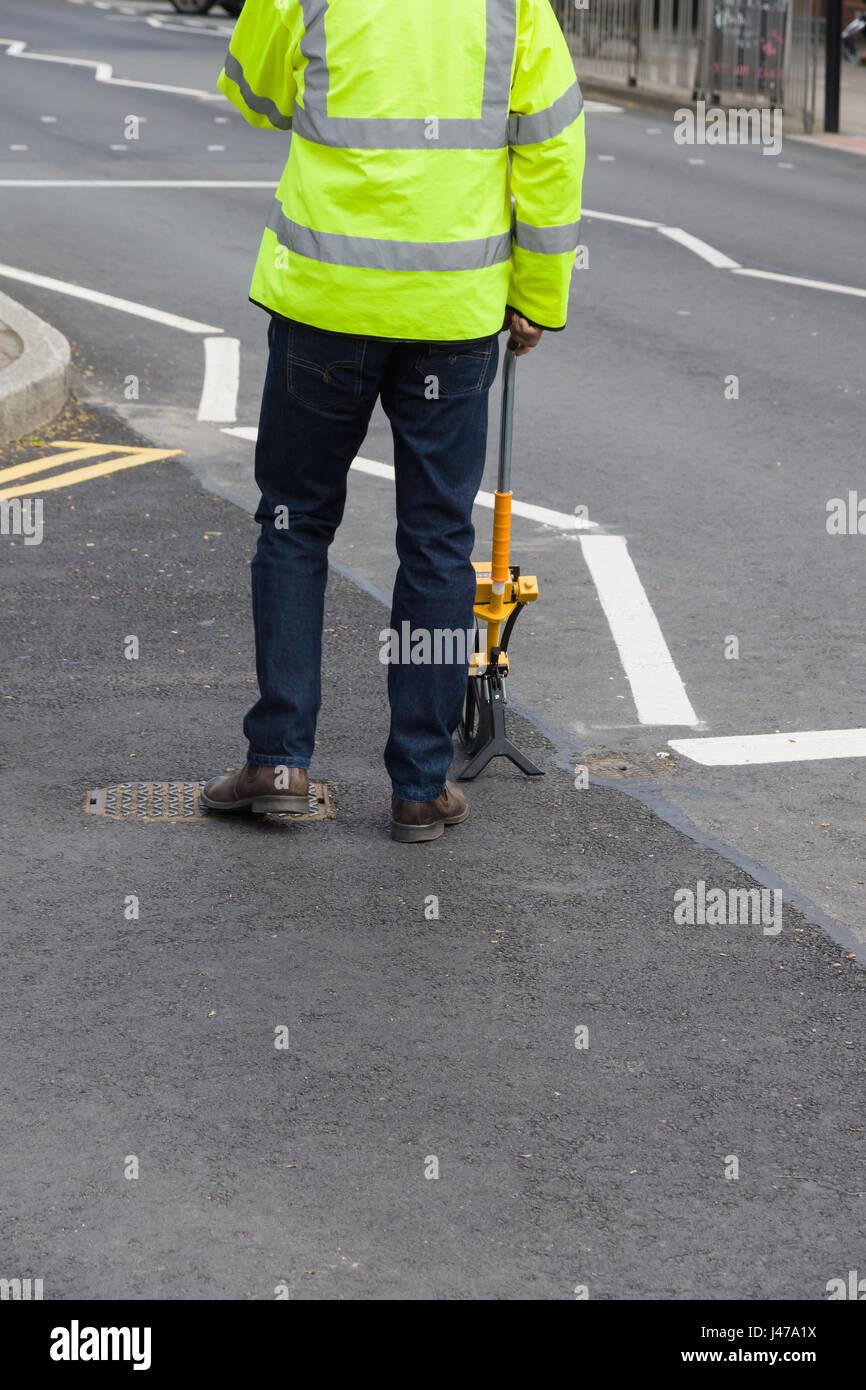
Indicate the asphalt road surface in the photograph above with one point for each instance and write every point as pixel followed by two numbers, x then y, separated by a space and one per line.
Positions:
pixel 411 1038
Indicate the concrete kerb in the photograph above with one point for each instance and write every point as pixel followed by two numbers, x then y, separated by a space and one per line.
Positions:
pixel 637 98
pixel 34 387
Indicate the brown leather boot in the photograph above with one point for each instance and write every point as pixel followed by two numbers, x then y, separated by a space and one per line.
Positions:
pixel 256 787
pixel 426 820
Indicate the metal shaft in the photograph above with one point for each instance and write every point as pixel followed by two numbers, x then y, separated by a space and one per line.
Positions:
pixel 506 426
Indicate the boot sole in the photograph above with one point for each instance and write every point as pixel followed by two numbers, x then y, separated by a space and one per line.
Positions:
pixel 260 806
pixel 412 834
pixel 273 805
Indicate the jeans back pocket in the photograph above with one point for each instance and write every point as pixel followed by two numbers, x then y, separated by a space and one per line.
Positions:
pixel 323 369
pixel 460 369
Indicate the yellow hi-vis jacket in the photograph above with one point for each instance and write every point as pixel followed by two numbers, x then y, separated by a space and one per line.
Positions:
pixel 435 167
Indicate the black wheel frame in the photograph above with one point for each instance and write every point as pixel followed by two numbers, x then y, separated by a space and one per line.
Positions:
pixel 473 727
pixel 468 728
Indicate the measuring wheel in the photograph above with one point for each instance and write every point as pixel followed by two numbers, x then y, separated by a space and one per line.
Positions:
pixel 501 594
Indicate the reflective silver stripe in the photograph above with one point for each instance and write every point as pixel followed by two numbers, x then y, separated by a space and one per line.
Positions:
pixel 489 132
pixel 372 253
pixel 400 133
pixel 501 32
pixel 544 125
pixel 549 241
pixel 314 48
pixel 263 106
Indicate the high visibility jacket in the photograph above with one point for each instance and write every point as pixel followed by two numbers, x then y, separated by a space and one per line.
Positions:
pixel 435 167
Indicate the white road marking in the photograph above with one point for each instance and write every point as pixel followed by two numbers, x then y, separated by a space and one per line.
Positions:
pixel 107 301
pixel 741 749
pixel 49 120
pixel 606 158
pixel 244 432
pixel 797 280
pixel 20 149
pixel 137 183
pixel 103 72
pixel 659 694
pixel 602 108
pixel 374 469
pixel 700 248
pixel 222 366
pixel 617 217
pixel 718 259
pixel 213 29
pixel 563 521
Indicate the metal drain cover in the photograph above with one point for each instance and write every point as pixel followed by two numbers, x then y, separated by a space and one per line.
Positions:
pixel 151 801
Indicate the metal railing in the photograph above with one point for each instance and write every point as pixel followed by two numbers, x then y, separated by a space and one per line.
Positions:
pixel 765 51
pixel 805 65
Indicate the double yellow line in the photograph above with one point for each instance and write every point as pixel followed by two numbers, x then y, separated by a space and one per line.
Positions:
pixel 74 452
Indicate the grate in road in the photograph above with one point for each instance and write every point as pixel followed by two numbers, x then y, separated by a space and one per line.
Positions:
pixel 152 801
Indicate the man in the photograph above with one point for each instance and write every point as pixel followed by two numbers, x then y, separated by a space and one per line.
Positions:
pixel 432 189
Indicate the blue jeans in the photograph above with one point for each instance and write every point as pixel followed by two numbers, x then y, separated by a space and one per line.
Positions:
pixel 319 394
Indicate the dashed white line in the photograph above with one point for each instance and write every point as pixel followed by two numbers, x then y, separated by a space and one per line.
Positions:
pixel 738 750
pixel 222 365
